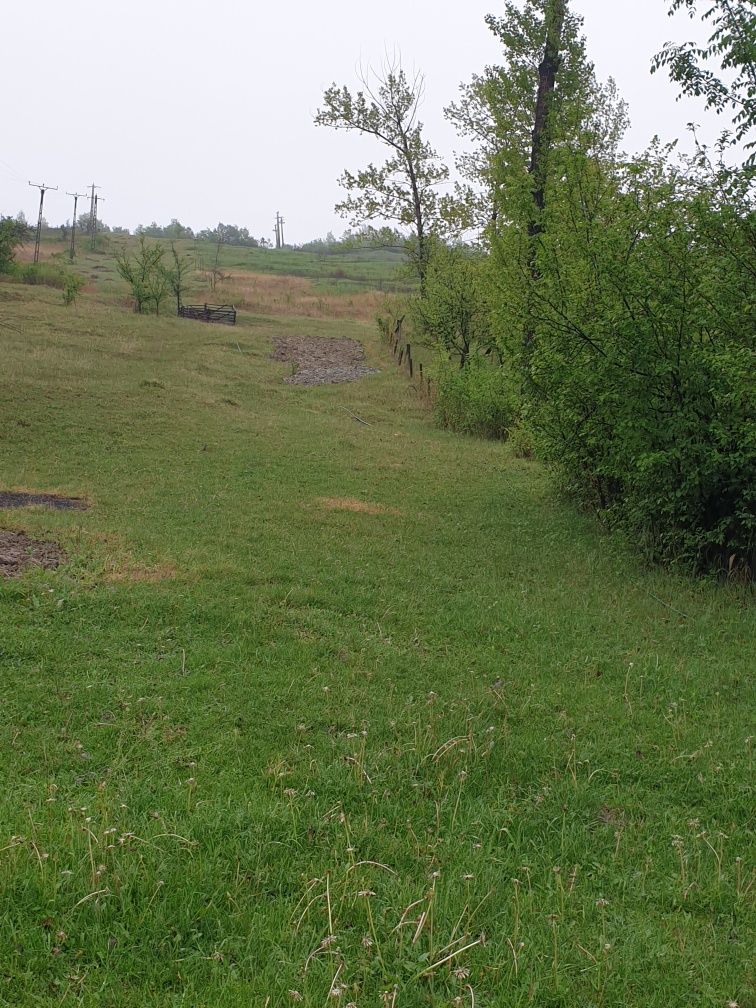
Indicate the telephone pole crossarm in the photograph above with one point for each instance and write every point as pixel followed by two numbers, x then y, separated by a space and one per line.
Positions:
pixel 42 190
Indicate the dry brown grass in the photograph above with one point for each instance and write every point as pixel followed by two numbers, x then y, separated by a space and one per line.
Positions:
pixel 25 253
pixel 352 504
pixel 268 294
pixel 130 571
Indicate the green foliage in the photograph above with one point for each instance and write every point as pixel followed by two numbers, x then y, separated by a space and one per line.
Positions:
pixel 12 234
pixel 733 45
pixel 479 398
pixel 72 286
pixel 496 111
pixel 641 376
pixel 404 189
pixel 145 274
pixel 48 274
pixel 453 312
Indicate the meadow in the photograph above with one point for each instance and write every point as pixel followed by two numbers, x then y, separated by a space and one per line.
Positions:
pixel 334 711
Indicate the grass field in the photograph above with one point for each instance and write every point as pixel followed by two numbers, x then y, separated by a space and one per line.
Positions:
pixel 351 285
pixel 326 713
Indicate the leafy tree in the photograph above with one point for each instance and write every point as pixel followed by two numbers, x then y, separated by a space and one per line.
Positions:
pixel 645 343
pixel 12 234
pixel 454 313
pixel 732 44
pixel 529 117
pixel 178 275
pixel 498 108
pixel 143 273
pixel 405 188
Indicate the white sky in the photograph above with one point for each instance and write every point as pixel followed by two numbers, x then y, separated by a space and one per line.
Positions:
pixel 203 110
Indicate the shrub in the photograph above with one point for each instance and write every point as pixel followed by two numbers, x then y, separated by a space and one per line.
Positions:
pixel 48 274
pixel 72 286
pixel 478 399
pixel 453 312
pixel 12 234
pixel 641 372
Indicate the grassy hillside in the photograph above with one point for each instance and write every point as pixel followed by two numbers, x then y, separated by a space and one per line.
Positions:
pixel 329 712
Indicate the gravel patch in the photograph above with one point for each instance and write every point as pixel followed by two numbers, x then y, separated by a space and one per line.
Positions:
pixel 322 361
pixel 12 499
pixel 19 553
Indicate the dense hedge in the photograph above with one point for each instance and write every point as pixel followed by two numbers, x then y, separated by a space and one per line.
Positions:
pixel 642 373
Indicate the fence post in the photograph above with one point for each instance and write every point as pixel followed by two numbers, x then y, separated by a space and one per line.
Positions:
pixel 409 359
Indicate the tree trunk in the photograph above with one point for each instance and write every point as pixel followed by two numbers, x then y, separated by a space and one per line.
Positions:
pixel 555 16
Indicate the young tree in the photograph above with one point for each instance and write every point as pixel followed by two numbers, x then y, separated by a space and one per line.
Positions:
pixel 404 189
pixel 141 273
pixel 733 45
pixel 178 275
pixel 454 314
pixel 12 234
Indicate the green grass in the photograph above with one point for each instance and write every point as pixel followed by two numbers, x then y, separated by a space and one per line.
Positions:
pixel 342 273
pixel 340 747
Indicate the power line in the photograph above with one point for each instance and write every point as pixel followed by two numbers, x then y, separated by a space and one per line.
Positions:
pixel 42 190
pixel 76 198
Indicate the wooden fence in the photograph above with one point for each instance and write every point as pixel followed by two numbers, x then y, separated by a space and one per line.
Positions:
pixel 402 352
pixel 224 314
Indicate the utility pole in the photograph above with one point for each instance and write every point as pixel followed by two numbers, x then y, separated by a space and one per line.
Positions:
pixel 42 190
pixel 97 200
pixel 279 230
pixel 77 196
pixel 92 209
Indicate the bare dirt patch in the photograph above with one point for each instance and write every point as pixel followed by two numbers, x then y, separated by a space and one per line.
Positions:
pixel 19 553
pixel 17 499
pixel 322 361
pixel 352 504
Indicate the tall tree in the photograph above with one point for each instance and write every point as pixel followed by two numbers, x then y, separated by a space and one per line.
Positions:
pixel 543 124
pixel 405 188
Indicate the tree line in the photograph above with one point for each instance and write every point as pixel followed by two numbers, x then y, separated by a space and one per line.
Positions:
pixel 603 316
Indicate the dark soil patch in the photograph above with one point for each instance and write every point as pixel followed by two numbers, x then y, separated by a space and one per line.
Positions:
pixel 322 361
pixel 11 499
pixel 19 553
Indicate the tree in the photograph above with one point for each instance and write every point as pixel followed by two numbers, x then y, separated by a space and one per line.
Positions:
pixel 498 108
pixel 12 234
pixel 143 273
pixel 530 118
pixel 404 189
pixel 454 313
pixel 178 275
pixel 642 369
pixel 732 43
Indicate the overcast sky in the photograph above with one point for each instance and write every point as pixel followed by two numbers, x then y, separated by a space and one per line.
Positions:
pixel 203 110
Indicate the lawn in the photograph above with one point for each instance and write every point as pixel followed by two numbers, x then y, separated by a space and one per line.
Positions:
pixel 323 711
